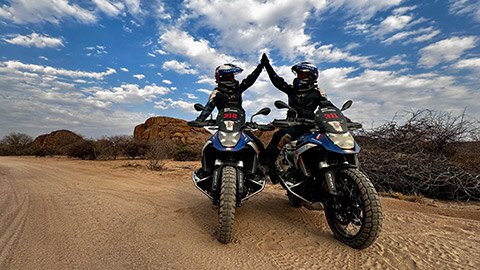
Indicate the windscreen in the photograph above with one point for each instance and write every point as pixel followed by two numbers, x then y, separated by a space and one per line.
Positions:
pixel 231 119
pixel 331 120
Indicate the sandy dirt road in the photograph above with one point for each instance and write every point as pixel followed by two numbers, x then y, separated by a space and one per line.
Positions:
pixel 57 213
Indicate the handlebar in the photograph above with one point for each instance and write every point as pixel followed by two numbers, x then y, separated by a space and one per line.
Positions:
pixel 354 125
pixel 252 125
pixel 202 124
pixel 293 123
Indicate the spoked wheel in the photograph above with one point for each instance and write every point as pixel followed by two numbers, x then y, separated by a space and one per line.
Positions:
pixel 355 216
pixel 226 209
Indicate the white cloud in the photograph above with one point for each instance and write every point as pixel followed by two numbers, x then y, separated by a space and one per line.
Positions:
pixel 151 54
pixel 205 91
pixel 139 76
pixel 445 50
pixel 111 8
pixel 415 36
pixel 167 82
pixel 204 79
pixel 168 104
pixel 465 7
pixel 179 67
pixel 191 96
pixel 43 58
pixel 403 10
pixel 331 54
pixel 276 24
pixel 384 93
pixel 363 10
pixel 45 103
pixel 470 63
pixel 22 12
pixel 130 93
pixel 35 40
pixel 396 26
pixel 199 52
pixel 393 23
pixel 425 37
pixel 134 6
pixel 259 23
pixel 394 60
pixel 124 69
pixel 161 13
pixel 16 65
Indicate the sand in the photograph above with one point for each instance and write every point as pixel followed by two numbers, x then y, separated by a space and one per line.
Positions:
pixel 57 213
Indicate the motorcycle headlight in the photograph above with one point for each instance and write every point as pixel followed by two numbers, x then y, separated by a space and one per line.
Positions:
pixel 229 139
pixel 342 140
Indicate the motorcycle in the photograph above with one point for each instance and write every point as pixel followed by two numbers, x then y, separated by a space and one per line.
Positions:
pixel 322 167
pixel 231 155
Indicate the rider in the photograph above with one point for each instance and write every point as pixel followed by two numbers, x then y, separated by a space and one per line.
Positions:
pixel 304 96
pixel 228 93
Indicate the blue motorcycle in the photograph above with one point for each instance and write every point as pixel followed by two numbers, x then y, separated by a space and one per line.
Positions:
pixel 322 167
pixel 230 164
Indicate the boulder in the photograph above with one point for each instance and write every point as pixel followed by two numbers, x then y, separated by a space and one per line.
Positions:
pixel 58 141
pixel 167 128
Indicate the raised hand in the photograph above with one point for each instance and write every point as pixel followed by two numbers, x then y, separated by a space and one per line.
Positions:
pixel 265 60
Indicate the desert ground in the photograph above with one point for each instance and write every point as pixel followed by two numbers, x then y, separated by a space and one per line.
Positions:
pixel 57 213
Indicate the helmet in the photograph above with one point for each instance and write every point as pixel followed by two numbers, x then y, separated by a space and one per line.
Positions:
pixel 307 75
pixel 225 74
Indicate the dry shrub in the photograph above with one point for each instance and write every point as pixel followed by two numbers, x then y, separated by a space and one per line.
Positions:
pixel 187 153
pixel 84 149
pixel 417 157
pixel 157 153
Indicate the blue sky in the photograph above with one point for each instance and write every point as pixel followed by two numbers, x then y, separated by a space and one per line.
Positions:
pixel 101 67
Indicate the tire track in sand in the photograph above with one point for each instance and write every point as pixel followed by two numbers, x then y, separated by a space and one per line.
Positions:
pixel 14 209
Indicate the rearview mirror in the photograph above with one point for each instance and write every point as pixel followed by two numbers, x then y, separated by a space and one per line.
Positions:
pixel 281 105
pixel 198 107
pixel 347 105
pixel 264 111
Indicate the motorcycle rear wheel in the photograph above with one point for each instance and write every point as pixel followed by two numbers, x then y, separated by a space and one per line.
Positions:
pixel 226 209
pixel 356 217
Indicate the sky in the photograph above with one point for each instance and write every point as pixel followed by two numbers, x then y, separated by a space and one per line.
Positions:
pixel 101 67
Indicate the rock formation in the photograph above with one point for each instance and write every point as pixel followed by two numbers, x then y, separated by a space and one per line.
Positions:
pixel 57 141
pixel 167 128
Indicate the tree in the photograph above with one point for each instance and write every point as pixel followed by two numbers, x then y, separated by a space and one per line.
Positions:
pixel 16 143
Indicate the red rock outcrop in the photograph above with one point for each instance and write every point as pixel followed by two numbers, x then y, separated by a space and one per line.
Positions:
pixel 167 128
pixel 57 140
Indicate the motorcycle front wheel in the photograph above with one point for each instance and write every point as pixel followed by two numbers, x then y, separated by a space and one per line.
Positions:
pixel 355 214
pixel 226 208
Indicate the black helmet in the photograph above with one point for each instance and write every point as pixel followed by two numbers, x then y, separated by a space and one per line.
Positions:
pixel 307 75
pixel 225 74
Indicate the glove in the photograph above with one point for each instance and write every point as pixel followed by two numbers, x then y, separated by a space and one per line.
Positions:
pixel 264 61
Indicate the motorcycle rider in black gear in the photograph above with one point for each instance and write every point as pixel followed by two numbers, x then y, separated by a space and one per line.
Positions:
pixel 304 96
pixel 228 93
